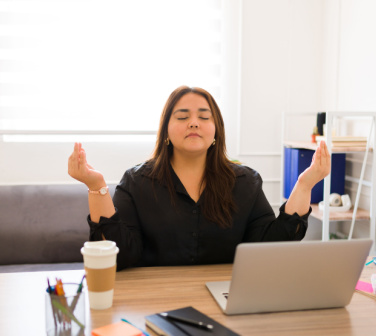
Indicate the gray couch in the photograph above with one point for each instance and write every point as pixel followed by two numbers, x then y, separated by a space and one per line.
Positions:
pixel 43 227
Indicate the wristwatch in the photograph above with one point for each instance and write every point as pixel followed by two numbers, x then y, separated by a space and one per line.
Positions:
pixel 102 191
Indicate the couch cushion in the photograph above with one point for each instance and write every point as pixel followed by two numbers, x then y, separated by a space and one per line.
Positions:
pixel 43 223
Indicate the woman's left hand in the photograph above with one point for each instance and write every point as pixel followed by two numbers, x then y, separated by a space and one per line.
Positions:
pixel 319 168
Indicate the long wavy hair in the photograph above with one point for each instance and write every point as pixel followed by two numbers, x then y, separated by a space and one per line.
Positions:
pixel 219 177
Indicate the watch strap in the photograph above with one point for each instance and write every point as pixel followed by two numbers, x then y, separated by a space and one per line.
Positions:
pixel 102 191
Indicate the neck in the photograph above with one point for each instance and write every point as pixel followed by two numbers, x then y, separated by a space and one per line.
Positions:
pixel 193 164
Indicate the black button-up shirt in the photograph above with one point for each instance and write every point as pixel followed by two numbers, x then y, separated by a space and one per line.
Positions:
pixel 151 231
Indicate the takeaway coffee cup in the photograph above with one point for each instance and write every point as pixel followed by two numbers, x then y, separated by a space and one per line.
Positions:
pixel 100 269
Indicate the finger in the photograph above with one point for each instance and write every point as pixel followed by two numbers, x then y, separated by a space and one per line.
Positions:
pixel 322 152
pixel 76 154
pixel 314 157
pixel 73 158
pixel 76 147
pixel 324 147
pixel 325 153
pixel 72 161
pixel 326 150
pixel 74 151
pixel 318 155
pixel 83 157
pixel 325 159
pixel 328 159
pixel 81 153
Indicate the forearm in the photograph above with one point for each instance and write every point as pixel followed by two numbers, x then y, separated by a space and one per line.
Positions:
pixel 79 169
pixel 299 200
pixel 100 206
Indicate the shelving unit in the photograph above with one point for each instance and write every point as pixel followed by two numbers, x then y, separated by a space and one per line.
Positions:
pixel 355 213
pixel 310 145
pixel 361 214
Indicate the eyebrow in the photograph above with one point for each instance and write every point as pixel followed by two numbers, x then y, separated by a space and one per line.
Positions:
pixel 199 110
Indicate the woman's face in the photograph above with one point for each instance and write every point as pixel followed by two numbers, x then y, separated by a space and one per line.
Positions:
pixel 191 128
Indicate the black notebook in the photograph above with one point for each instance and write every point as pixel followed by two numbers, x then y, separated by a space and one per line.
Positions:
pixel 165 326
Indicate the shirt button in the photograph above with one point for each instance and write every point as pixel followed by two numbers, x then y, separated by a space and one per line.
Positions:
pixel 194 234
pixel 194 211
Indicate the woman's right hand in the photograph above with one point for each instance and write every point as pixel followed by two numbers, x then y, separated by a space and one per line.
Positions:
pixel 79 169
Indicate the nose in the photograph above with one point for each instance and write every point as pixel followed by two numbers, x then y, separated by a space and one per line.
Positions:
pixel 193 123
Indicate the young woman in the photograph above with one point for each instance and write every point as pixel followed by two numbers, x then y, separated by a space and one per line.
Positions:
pixel 189 204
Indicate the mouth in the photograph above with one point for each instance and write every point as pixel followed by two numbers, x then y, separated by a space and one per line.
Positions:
pixel 193 135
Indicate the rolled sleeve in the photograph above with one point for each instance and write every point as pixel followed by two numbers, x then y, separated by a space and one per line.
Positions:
pixel 294 226
pixel 127 237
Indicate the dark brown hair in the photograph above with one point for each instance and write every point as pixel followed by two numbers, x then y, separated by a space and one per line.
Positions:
pixel 219 177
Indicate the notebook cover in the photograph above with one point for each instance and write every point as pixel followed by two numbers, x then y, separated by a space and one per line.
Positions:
pixel 117 329
pixel 164 326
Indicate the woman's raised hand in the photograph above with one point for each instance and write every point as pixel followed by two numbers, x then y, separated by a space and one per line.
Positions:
pixel 319 168
pixel 79 169
pixel 300 197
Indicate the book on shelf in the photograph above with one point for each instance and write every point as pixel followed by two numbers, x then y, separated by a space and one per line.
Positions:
pixel 349 144
pixel 345 141
pixel 345 138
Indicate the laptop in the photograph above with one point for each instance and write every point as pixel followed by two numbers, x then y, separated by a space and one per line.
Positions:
pixel 284 276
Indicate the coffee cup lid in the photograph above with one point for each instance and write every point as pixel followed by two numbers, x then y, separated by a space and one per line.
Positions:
pixel 100 248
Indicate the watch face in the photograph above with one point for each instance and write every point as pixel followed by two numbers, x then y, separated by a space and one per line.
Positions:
pixel 103 191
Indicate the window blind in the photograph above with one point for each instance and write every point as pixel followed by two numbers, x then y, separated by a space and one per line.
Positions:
pixel 102 65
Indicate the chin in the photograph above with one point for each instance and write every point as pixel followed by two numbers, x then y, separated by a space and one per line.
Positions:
pixel 200 149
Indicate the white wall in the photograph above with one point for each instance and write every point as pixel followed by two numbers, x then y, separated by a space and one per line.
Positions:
pixel 357 66
pixel 46 162
pixel 282 46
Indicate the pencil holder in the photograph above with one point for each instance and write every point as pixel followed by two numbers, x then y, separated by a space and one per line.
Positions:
pixel 65 314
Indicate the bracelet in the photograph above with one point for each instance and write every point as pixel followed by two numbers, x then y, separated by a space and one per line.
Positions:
pixel 102 191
